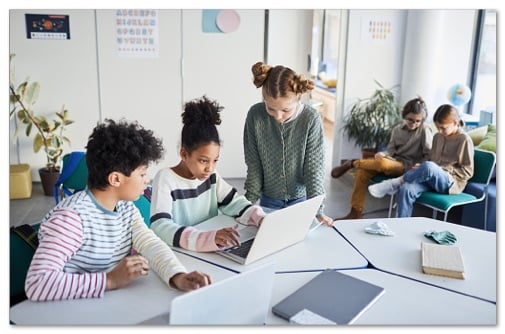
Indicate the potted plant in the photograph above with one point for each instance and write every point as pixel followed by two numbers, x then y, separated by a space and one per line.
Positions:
pixel 370 121
pixel 49 134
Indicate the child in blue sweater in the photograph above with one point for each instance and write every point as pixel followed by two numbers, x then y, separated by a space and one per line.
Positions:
pixel 193 191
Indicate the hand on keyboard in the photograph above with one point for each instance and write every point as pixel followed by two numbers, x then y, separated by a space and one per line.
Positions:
pixel 226 237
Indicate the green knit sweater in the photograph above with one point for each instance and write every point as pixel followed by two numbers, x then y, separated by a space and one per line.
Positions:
pixel 284 161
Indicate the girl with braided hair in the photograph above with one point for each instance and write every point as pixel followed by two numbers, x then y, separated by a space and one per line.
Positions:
pixel 283 142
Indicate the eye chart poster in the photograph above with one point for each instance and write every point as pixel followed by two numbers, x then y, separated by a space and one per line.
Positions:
pixel 137 33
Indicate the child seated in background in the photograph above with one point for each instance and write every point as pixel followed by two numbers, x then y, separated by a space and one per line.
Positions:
pixel 193 191
pixel 448 171
pixel 410 144
pixel 86 241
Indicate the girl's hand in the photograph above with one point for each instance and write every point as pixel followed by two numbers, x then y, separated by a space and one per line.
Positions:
pixel 227 237
pixel 325 220
pixel 379 155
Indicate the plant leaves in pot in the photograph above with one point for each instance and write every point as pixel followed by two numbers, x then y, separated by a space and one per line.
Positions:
pixel 49 133
pixel 370 121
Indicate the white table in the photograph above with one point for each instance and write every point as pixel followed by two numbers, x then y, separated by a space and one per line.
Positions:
pixel 323 248
pixel 405 301
pixel 146 298
pixel 401 254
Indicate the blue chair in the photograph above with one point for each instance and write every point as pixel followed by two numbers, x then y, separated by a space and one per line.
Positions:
pixel 73 176
pixel 484 164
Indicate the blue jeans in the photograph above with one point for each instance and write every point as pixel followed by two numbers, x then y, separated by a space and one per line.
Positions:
pixel 276 204
pixel 427 177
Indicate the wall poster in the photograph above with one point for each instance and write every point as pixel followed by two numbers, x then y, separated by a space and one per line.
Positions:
pixel 137 33
pixel 44 26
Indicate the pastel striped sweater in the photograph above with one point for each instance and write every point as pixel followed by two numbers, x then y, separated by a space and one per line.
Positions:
pixel 178 204
pixel 80 241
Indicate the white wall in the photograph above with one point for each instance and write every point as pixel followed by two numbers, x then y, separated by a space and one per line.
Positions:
pixel 367 60
pixel 441 41
pixel 144 89
pixel 289 38
pixel 87 74
pixel 219 66
pixel 67 73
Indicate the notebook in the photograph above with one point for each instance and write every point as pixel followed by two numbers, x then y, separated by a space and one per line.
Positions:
pixel 241 299
pixel 442 260
pixel 279 229
pixel 329 298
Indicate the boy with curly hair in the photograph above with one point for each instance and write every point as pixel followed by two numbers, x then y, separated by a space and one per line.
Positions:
pixel 96 239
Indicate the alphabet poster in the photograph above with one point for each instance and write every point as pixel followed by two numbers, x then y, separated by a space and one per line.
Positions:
pixel 137 33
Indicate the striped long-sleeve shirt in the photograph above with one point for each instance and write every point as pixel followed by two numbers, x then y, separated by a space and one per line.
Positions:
pixel 179 203
pixel 80 241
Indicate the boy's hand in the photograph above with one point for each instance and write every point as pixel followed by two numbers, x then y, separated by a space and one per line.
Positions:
pixel 191 281
pixel 126 271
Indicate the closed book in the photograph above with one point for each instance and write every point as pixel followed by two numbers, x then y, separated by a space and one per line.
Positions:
pixel 442 260
pixel 329 298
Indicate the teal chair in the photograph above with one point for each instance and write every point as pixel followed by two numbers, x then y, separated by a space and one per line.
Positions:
pixel 484 164
pixel 144 205
pixel 23 242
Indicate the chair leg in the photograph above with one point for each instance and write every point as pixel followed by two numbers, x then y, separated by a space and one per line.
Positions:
pixel 445 215
pixel 485 213
pixel 391 204
pixel 434 214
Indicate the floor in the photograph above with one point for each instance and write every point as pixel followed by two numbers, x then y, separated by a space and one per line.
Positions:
pixel 338 195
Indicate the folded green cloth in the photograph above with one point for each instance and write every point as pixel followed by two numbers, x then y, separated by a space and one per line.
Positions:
pixel 442 237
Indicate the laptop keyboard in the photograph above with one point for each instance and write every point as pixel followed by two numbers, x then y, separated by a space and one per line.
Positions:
pixel 241 250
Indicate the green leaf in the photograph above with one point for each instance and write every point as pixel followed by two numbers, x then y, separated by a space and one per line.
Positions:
pixel 38 142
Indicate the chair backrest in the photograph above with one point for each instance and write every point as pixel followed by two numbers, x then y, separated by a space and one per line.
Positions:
pixel 144 205
pixel 484 164
pixel 23 242
pixel 73 176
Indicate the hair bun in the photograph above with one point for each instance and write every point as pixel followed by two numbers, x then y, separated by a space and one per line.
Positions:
pixel 201 110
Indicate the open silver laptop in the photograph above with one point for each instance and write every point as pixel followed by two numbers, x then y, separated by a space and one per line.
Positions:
pixel 279 229
pixel 241 299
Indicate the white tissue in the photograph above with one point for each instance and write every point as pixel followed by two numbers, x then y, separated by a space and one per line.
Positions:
pixel 379 228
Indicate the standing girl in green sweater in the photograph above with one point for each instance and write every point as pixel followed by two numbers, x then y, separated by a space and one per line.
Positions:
pixel 283 142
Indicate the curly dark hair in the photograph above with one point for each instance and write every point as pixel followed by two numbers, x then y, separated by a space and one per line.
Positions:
pixel 200 118
pixel 119 147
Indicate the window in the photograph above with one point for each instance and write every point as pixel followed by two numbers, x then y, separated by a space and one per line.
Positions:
pixel 484 73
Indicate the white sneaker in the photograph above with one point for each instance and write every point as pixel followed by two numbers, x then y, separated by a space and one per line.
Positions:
pixel 387 187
